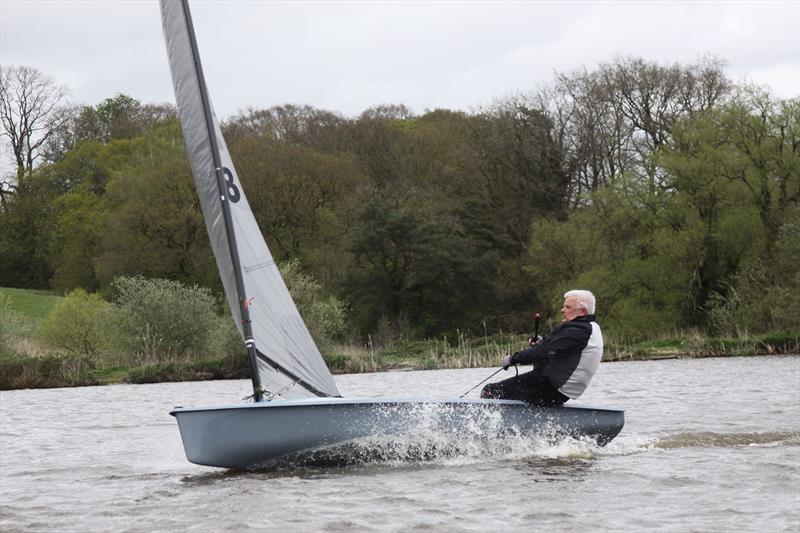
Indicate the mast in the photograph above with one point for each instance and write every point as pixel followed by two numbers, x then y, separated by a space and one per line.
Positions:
pixel 247 327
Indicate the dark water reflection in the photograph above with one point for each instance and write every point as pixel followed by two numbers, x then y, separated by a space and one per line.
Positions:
pixel 557 470
pixel 709 445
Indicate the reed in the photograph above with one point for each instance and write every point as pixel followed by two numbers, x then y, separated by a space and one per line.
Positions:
pixel 460 351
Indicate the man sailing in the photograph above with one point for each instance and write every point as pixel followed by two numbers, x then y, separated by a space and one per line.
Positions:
pixel 564 361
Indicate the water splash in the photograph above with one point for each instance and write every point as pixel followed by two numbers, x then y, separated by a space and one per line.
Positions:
pixel 449 434
pixel 437 451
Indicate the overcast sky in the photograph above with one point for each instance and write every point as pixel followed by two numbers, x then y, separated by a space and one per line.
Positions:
pixel 349 56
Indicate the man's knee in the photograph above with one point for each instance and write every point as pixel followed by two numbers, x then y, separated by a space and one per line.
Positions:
pixel 488 392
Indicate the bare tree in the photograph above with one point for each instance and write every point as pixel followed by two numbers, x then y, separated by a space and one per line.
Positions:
pixel 652 97
pixel 594 136
pixel 611 120
pixel 290 124
pixel 31 111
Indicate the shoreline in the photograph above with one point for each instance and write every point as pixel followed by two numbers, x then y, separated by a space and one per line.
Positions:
pixel 64 371
pixel 26 361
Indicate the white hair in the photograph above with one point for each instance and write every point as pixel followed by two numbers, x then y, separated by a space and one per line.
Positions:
pixel 584 298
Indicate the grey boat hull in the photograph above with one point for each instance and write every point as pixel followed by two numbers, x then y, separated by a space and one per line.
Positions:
pixel 250 435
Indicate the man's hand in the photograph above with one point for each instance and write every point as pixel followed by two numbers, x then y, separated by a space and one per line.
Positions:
pixel 534 340
pixel 505 362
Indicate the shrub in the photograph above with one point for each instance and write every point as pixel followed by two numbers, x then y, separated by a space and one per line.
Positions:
pixel 225 338
pixel 160 320
pixel 753 304
pixel 56 370
pixel 324 315
pixel 76 324
pixel 228 367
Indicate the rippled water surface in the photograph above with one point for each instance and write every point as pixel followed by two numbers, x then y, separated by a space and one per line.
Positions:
pixel 708 445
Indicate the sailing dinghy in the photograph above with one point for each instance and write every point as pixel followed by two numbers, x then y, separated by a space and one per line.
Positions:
pixel 297 407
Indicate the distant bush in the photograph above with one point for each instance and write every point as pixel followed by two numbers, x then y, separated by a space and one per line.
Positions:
pixel 225 338
pixel 753 304
pixel 77 324
pixel 69 370
pixel 160 320
pixel 324 315
pixel 228 367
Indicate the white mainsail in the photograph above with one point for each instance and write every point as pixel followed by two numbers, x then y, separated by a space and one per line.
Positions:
pixel 287 360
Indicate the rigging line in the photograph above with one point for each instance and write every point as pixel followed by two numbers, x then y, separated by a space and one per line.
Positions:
pixel 287 387
pixel 288 373
pixel 487 379
pixel 272 395
pixel 257 266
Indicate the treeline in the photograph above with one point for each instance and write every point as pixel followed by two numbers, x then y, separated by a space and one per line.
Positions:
pixel 669 191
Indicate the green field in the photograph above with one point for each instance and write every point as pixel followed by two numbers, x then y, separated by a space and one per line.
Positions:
pixel 29 303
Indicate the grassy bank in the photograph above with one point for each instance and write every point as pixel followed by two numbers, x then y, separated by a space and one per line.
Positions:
pixel 32 304
pixel 67 370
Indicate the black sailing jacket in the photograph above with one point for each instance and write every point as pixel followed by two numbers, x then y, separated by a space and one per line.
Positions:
pixel 568 356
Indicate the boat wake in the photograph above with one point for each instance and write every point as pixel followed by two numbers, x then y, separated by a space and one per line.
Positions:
pixel 631 444
pixel 726 440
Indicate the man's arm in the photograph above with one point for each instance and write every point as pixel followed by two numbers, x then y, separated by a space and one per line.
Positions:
pixel 533 355
pixel 569 338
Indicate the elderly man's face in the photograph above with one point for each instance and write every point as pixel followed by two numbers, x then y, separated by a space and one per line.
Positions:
pixel 572 309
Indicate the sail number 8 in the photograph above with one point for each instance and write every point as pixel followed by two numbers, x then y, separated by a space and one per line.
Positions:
pixel 233 190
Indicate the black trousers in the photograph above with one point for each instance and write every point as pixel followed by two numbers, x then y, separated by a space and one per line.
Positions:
pixel 529 387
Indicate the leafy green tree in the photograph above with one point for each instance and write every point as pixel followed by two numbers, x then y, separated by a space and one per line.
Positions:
pixel 751 146
pixel 520 172
pixel 90 164
pixel 120 117
pixel 161 320
pixel 301 198
pixel 25 226
pixel 325 315
pixel 380 143
pixel 77 324
pixel 761 296
pixel 81 212
pixel 737 168
pixel 52 225
pixel 114 118
pixel 693 253
pixel 157 229
pixel 415 271
pixel 516 178
pixel 633 248
pixel 76 239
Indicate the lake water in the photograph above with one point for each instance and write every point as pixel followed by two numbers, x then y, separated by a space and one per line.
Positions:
pixel 708 445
